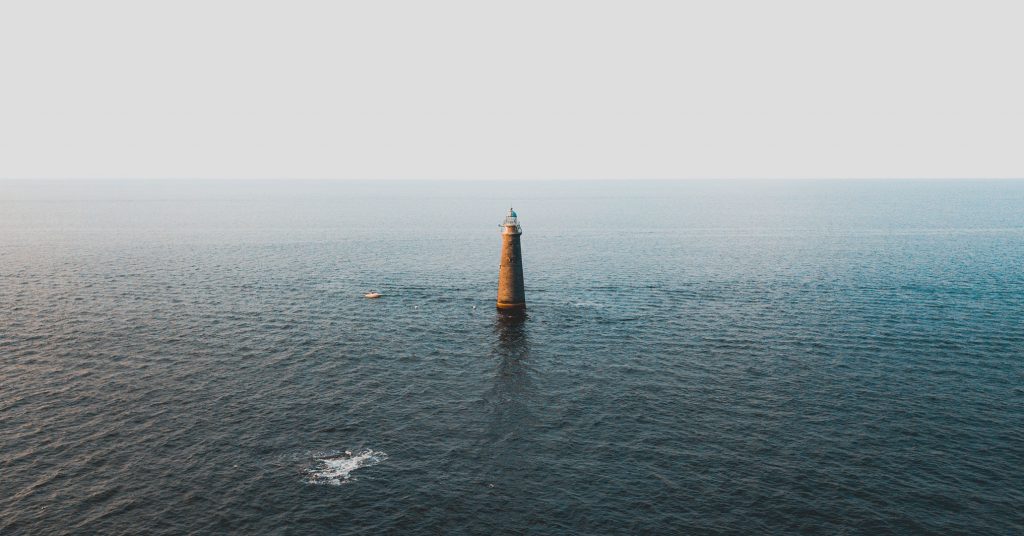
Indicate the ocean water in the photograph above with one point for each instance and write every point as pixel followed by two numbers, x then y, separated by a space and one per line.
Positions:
pixel 739 357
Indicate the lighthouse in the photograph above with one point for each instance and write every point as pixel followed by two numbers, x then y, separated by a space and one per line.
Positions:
pixel 511 293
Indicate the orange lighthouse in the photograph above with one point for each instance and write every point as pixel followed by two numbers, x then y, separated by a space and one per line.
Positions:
pixel 511 292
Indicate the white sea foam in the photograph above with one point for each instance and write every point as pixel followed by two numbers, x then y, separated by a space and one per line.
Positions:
pixel 335 470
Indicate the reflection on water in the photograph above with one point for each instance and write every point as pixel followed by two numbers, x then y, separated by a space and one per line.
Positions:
pixel 509 397
pixel 511 330
pixel 512 426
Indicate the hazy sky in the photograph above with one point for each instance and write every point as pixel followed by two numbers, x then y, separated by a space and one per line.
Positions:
pixel 523 89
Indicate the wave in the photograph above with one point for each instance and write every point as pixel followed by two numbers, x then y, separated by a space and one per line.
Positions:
pixel 336 469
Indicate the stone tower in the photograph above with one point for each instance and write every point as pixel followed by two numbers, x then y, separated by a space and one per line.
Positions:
pixel 511 292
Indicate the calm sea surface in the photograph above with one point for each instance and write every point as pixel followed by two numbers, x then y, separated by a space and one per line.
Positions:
pixel 698 357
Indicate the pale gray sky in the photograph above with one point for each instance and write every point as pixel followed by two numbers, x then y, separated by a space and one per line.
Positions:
pixel 523 89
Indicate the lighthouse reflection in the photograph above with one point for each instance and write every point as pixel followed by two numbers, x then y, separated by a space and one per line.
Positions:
pixel 510 394
pixel 510 327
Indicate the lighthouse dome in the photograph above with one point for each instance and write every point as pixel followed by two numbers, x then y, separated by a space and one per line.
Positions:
pixel 511 223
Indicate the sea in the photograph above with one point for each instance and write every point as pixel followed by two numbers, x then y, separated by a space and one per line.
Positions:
pixel 696 357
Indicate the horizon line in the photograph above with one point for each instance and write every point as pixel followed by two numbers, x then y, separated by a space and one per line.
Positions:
pixel 519 179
